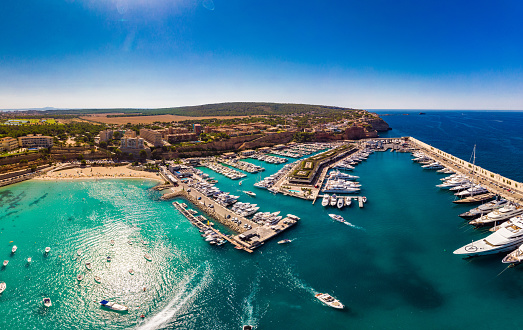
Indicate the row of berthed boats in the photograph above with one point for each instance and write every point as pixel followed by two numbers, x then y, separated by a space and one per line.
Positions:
pixel 244 166
pixel 505 217
pixel 269 181
pixel 341 201
pixel 224 170
pixel 303 149
pixel 348 163
pixel 269 159
pixel 209 234
pixel 339 182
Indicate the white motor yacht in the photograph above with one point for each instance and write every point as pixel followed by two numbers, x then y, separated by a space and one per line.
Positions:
pixel 114 306
pixel 499 215
pixel 334 200
pixel 3 286
pixel 475 190
pixel 328 300
pixel 348 201
pixel 505 239
pixel 325 200
pixel 13 250
pixel 340 203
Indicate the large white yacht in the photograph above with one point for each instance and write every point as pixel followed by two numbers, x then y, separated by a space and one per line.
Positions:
pixel 505 239
pixel 475 190
pixel 514 257
pixel 499 215
pixel 483 209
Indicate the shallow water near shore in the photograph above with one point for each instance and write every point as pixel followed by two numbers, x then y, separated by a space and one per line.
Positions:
pixel 395 269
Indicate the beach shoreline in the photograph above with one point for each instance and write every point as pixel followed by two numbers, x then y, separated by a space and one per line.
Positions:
pixel 99 173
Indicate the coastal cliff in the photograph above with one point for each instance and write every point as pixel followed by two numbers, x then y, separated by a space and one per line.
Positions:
pixel 379 124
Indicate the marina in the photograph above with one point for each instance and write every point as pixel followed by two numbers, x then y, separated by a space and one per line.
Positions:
pixel 402 196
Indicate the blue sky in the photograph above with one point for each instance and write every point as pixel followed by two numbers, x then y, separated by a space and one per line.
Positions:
pixel 160 53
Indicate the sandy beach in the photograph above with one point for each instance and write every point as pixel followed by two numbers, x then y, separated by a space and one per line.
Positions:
pixel 114 172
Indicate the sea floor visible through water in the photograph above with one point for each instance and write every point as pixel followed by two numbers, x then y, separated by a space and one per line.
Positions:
pixel 393 270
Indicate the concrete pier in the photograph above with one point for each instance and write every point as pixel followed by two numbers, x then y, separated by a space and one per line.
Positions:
pixel 495 183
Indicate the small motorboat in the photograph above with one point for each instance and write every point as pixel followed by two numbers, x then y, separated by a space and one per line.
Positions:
pixel 13 250
pixel 88 265
pixel 98 279
pixel 247 327
pixel 108 259
pixel 284 241
pixel 79 252
pixel 47 249
pixel 112 242
pixel 148 257
pixel 80 277
pixel 131 271
pixel 5 262
pixel 340 203
pixel 129 242
pixel 145 242
pixel 348 201
pixel 29 260
pixel 250 193
pixel 328 300
pixel 2 286
pixel 114 306
pixel 47 302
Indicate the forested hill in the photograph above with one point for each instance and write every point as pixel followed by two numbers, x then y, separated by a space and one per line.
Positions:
pixel 219 109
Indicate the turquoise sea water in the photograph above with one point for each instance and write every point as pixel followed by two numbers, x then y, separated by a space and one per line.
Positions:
pixel 394 269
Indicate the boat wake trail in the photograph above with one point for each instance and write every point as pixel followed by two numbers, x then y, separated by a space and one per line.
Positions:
pixel 354 226
pixel 248 304
pixel 165 316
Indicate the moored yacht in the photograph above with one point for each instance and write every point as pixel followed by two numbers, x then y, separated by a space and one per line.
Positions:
pixel 505 239
pixel 483 209
pixel 325 200
pixel 340 203
pixel 499 215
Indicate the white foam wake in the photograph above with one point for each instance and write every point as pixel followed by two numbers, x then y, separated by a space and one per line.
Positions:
pixel 165 316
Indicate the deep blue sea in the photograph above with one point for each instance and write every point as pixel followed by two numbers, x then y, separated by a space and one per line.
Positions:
pixel 498 135
pixel 393 269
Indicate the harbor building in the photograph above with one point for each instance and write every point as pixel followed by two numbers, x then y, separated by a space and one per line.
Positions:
pixel 8 144
pixel 247 153
pixel 153 137
pixel 35 141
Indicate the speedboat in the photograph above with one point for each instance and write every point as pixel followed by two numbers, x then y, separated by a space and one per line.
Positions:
pixel 250 193
pixel 112 242
pixel 88 265
pixel 483 209
pixel 285 241
pixel 98 279
pixel 129 242
pixel 337 217
pixel 325 200
pixel 47 249
pixel 131 271
pixel 5 262
pixel 114 306
pixel 348 201
pixel 328 300
pixel 29 260
pixel 247 327
pixel 148 257
pixel 79 252
pixel 3 286
pixel 504 239
pixel 47 302
pixel 80 277
pixel 340 203
pixel 13 250
pixel 108 259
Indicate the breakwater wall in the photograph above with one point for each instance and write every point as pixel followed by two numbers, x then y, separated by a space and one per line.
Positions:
pixel 467 167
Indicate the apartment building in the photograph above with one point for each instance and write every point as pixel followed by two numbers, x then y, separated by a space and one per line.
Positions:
pixel 153 137
pixel 8 144
pixel 35 141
